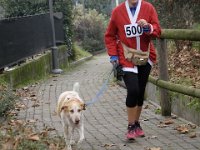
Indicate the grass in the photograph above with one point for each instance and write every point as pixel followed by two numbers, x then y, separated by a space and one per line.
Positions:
pixel 7 98
pixel 79 52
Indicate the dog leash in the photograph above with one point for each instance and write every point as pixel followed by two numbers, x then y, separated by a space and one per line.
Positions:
pixel 102 90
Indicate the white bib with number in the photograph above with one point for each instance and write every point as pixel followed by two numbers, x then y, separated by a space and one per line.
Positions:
pixel 133 30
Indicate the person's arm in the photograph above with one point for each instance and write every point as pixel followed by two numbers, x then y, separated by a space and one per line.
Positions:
pixel 111 37
pixel 152 28
pixel 154 24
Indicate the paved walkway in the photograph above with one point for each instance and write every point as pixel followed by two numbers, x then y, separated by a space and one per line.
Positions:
pixel 105 121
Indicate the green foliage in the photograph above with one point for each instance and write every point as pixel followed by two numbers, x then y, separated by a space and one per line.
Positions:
pixel 7 99
pixel 16 8
pixel 195 104
pixel 79 52
pixel 102 6
pixel 65 6
pixel 89 28
pixel 30 145
pixel 158 111
pixel 177 13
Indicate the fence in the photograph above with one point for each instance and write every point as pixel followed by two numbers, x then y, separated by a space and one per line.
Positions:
pixel 162 81
pixel 23 37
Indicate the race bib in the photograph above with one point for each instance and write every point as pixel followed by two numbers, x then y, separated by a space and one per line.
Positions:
pixel 133 30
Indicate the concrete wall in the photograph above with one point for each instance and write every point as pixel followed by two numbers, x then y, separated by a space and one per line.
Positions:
pixel 36 69
pixel 179 104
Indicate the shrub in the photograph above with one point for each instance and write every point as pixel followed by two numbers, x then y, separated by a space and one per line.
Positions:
pixel 7 99
pixel 89 28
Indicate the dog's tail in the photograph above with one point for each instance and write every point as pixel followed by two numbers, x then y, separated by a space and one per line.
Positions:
pixel 76 87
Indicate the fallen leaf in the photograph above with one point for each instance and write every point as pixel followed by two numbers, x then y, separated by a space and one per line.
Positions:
pixel 53 146
pixel 35 105
pixel 182 129
pixel 12 113
pixel 32 121
pixel 193 126
pixel 33 98
pixel 108 145
pixel 17 141
pixel 146 107
pixel 33 137
pixel 44 133
pixel 8 144
pixel 32 95
pixel 50 129
pixel 193 135
pixel 28 130
pixel 168 121
pixel 146 119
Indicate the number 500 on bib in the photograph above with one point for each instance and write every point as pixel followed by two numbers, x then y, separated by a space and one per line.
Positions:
pixel 133 30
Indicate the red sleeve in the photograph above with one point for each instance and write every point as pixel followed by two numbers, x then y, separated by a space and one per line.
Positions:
pixel 156 30
pixel 111 37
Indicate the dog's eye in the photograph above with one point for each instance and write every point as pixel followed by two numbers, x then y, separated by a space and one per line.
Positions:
pixel 72 111
pixel 79 110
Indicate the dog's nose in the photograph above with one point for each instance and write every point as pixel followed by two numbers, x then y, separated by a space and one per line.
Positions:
pixel 77 121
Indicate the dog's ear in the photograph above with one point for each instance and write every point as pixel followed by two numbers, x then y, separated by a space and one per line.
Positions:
pixel 83 106
pixel 64 108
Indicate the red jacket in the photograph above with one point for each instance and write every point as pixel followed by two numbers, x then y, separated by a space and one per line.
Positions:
pixel 116 33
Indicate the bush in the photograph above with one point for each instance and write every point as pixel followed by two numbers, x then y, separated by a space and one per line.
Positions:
pixel 89 28
pixel 7 99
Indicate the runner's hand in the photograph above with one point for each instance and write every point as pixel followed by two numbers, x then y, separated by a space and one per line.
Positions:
pixel 114 60
pixel 142 23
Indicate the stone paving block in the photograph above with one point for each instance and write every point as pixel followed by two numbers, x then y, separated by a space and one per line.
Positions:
pixel 105 121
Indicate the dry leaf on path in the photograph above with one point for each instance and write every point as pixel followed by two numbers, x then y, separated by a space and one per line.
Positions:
pixel 8 145
pixel 168 121
pixel 17 141
pixel 108 145
pixel 193 135
pixel 146 119
pixel 146 107
pixel 44 133
pixel 182 129
pixel 50 129
pixel 31 121
pixel 36 105
pixel 33 137
pixel 53 146
pixel 193 126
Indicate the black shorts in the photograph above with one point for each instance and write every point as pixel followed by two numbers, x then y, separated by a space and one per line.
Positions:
pixel 136 84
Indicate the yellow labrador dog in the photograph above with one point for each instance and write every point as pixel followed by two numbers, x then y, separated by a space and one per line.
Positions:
pixel 70 109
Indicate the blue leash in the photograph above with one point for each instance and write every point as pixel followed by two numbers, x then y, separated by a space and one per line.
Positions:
pixel 103 88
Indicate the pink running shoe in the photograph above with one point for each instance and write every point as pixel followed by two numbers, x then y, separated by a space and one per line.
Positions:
pixel 131 134
pixel 138 130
